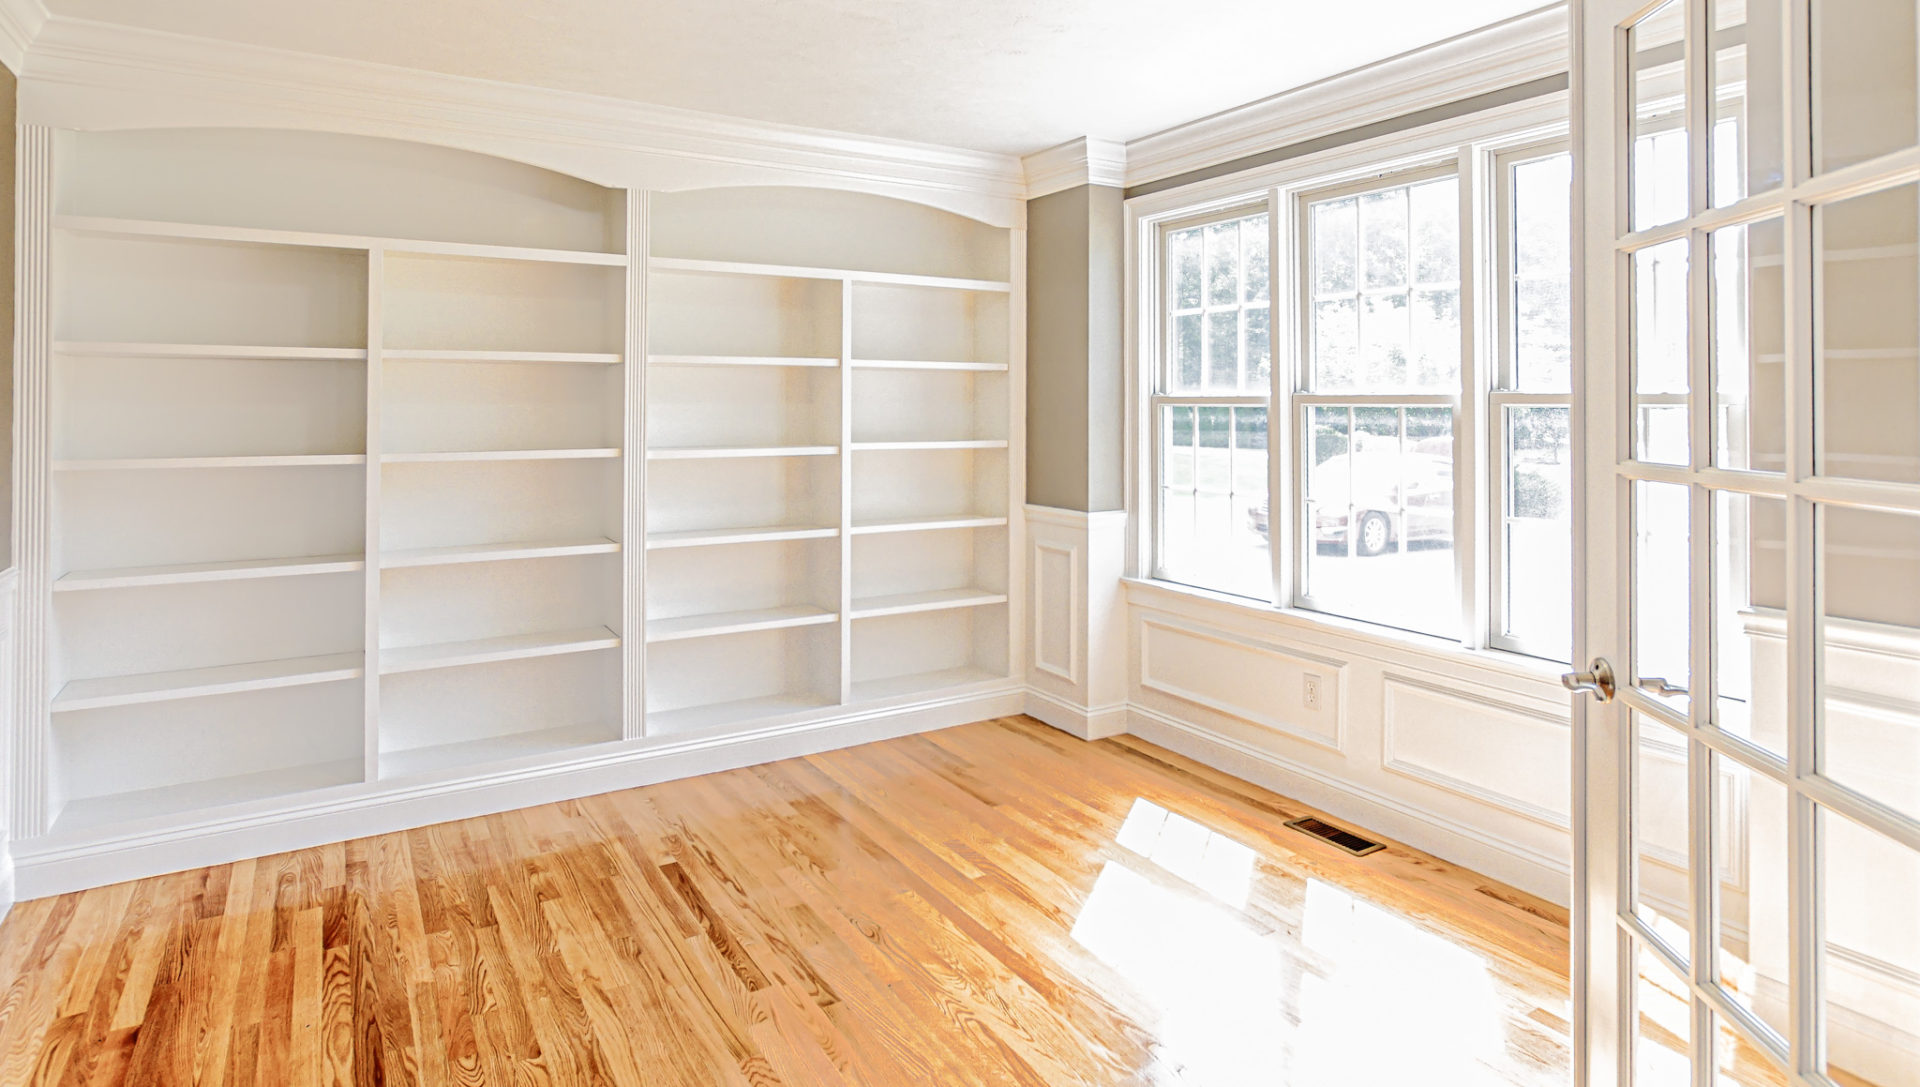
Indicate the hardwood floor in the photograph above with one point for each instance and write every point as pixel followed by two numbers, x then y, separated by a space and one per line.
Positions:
pixel 992 904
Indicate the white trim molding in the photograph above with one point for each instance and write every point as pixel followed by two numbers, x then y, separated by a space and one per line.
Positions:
pixel 1506 54
pixel 1076 637
pixel 1085 161
pixel 20 23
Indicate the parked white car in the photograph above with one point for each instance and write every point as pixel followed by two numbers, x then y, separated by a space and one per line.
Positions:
pixel 1385 498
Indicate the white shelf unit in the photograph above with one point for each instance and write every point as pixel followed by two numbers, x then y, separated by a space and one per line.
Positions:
pixel 813 380
pixel 352 348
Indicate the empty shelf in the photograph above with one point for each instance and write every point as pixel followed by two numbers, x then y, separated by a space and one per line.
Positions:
pixel 417 658
pixel 153 228
pixel 874 690
pixel 88 812
pixel 318 460
pixel 118 350
pixel 917 364
pixel 513 745
pixel 960 443
pixel 742 360
pixel 591 358
pixel 929 524
pixel 93 694
pixel 709 537
pixel 794 271
pixel 725 714
pixel 733 451
pixel 937 600
pixel 500 454
pixel 498 552
pixel 126 577
pixel 737 622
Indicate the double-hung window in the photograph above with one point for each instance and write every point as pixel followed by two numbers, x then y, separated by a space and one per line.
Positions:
pixel 1416 404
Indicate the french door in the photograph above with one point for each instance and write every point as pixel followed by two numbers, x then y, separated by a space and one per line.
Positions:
pixel 1748 895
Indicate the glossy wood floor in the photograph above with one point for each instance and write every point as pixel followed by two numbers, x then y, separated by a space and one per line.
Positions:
pixel 992 904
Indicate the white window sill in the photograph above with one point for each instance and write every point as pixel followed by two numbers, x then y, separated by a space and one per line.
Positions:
pixel 1152 591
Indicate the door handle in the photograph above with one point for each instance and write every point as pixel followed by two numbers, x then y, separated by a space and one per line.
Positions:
pixel 1659 685
pixel 1597 680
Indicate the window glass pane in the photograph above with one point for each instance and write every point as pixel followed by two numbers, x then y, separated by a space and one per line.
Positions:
pixel 1863 80
pixel 1435 213
pixel 1185 376
pixel 1658 158
pixel 1662 519
pixel 1664 1024
pixel 1542 273
pixel 1660 352
pixel 1259 352
pixel 1750 834
pixel 1391 319
pixel 1223 352
pixel 1868 336
pixel 1749 347
pixel 1377 516
pixel 1336 345
pixel 1744 46
pixel 1740 1063
pixel 1869 728
pixel 1868 887
pixel 1253 246
pixel 1213 508
pixel 1383 239
pixel 1183 253
pixel 1223 264
pixel 1661 895
pixel 1749 635
pixel 1385 333
pixel 1436 339
pixel 1334 245
pixel 1537 542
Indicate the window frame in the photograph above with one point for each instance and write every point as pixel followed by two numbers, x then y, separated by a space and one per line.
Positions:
pixel 1467 146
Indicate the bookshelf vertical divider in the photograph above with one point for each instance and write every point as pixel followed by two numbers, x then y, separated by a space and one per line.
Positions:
pixel 845 629
pixel 633 539
pixel 376 392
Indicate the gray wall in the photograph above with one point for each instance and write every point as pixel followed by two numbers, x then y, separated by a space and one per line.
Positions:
pixel 1074 384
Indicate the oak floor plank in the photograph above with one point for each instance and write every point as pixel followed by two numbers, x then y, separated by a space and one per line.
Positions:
pixel 995 905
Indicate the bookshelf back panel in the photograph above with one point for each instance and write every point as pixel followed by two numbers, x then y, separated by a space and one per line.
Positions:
pixel 433 407
pixel 742 406
pixel 429 604
pixel 147 407
pixel 928 324
pixel 113 519
pixel 742 315
pixel 825 228
pixel 683 496
pixel 471 304
pixel 800 662
pixel 889 484
pixel 891 564
pixel 743 577
pixel 160 628
pixel 454 504
pixel 167 291
pixel 457 705
pixel 126 748
pixel 332 183
pixel 938 641
pixel 928 405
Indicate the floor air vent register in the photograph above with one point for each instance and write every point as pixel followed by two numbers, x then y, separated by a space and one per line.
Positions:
pixel 1344 839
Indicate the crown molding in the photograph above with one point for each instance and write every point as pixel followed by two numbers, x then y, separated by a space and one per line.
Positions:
pixel 1085 161
pixel 1520 49
pixel 20 23
pixel 88 74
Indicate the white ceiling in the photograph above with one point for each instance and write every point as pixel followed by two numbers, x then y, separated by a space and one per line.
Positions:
pixel 991 75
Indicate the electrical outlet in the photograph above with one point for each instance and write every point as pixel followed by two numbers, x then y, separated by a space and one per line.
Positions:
pixel 1310 692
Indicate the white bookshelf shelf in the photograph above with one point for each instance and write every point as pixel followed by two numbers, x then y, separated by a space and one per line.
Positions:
pixel 582 358
pixel 716 536
pixel 105 692
pixel 874 607
pixel 466 456
pixel 687 266
pixel 878 690
pixel 126 350
pixel 723 715
pixel 512 647
pixel 128 577
pixel 103 226
pixel 928 524
pixel 409 762
pixel 730 452
pixel 87 813
pixel 911 364
pixel 792 361
pixel 136 464
pixel 501 552
pixel 738 622
pixel 929 446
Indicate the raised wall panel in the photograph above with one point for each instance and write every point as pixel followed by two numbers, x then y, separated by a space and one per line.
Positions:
pixel 1054 598
pixel 1504 752
pixel 1260 684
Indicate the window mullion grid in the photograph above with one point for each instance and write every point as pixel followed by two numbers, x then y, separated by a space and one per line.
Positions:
pixel 1471 531
pixel 1283 323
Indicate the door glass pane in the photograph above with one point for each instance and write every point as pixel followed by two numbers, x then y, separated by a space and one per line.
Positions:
pixel 1542 273
pixel 1750 634
pixel 1750 833
pixel 1213 499
pixel 1869 736
pixel 1869 886
pixel 1662 519
pixel 1664 1025
pixel 1537 547
pixel 1658 158
pixel 1863 80
pixel 1660 353
pixel 1868 333
pixel 1378 516
pixel 1745 54
pixel 1661 894
pixel 1738 1062
pixel 1749 348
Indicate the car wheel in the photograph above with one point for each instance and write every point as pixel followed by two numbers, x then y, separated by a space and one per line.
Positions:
pixel 1375 533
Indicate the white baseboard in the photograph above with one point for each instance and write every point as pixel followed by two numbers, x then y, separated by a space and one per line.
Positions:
pixel 1077 720
pixel 1536 873
pixel 51 867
